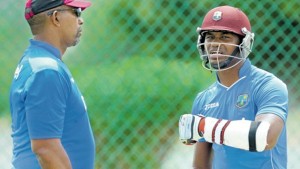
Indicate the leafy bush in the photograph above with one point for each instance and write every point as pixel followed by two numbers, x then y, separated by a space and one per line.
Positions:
pixel 134 104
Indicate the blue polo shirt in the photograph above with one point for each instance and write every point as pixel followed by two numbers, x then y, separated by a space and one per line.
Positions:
pixel 256 92
pixel 46 103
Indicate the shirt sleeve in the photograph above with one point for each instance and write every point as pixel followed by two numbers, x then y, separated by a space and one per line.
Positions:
pixel 45 104
pixel 272 97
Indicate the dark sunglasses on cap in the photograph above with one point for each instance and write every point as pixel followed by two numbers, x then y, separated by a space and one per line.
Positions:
pixel 77 11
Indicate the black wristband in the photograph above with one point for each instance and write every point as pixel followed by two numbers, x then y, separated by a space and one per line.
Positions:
pixel 252 135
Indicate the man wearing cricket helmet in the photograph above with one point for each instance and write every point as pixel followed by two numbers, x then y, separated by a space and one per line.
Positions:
pixel 239 122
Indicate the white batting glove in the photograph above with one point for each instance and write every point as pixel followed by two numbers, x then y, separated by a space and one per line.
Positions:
pixel 188 129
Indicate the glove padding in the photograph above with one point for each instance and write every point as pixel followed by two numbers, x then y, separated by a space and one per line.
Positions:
pixel 189 132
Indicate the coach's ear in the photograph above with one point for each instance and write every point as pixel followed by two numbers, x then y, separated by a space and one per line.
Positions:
pixel 55 18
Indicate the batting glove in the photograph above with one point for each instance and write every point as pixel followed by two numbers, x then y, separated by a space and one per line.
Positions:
pixel 189 128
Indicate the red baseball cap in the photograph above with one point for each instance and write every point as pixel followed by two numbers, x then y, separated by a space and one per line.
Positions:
pixel 34 7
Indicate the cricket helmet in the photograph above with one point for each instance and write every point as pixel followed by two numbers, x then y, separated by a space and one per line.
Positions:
pixel 228 19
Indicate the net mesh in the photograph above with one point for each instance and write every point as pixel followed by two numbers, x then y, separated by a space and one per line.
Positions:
pixel 138 67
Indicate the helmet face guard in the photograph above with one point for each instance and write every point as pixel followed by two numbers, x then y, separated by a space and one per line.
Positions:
pixel 216 61
pixel 228 19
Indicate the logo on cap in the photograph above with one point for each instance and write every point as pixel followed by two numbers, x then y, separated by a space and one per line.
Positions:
pixel 217 16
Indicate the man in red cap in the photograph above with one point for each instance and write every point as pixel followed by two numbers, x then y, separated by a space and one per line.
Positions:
pixel 50 125
pixel 239 122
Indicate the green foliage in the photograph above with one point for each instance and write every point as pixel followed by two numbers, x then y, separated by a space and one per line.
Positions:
pixel 140 98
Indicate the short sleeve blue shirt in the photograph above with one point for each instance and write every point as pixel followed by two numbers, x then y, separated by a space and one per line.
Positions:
pixel 256 92
pixel 46 103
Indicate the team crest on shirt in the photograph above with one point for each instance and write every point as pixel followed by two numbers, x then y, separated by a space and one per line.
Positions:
pixel 242 100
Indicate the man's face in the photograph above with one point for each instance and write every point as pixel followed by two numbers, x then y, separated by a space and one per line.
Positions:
pixel 71 26
pixel 220 46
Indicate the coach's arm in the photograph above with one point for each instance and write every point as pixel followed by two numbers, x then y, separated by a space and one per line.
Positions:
pixel 51 154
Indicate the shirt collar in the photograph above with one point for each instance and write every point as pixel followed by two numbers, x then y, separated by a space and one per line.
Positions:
pixel 244 71
pixel 46 46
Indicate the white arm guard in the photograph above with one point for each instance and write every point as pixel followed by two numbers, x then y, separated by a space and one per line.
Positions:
pixel 242 134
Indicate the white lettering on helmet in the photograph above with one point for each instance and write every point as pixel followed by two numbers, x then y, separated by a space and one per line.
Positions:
pixel 217 16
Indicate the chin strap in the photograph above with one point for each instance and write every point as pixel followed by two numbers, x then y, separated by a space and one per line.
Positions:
pixel 228 61
pixel 222 65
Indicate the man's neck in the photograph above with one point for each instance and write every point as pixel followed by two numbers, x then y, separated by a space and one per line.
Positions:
pixel 230 76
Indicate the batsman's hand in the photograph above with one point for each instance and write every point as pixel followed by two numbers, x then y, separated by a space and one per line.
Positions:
pixel 189 132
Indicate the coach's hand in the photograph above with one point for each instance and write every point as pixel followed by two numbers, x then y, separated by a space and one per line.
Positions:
pixel 189 129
